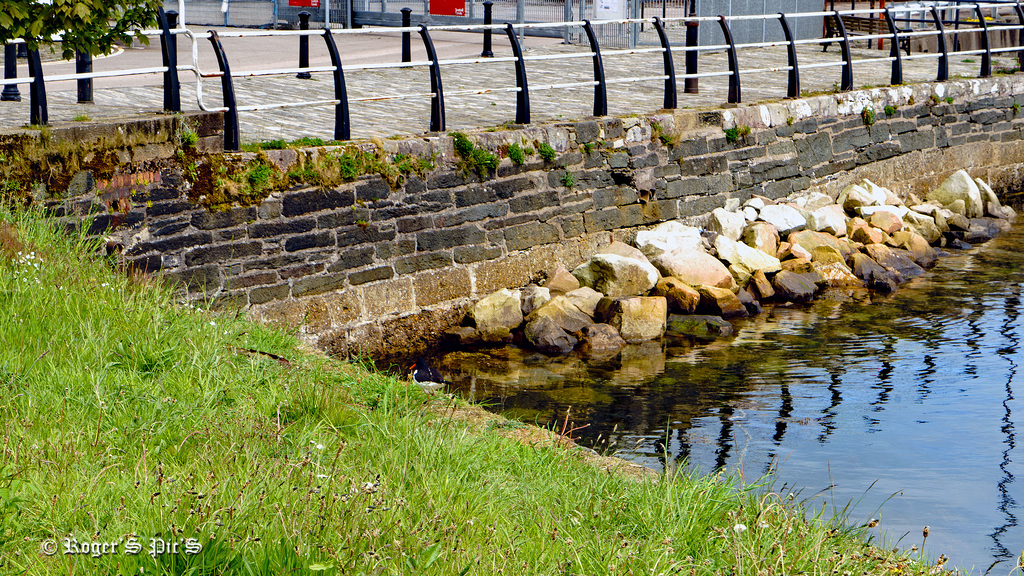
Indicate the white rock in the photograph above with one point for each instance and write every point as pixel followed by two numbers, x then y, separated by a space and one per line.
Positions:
pixel 732 204
pixel 989 198
pixel 728 224
pixel 866 211
pixel 749 213
pixel 830 219
pixel 816 200
pixel 666 237
pixel 785 218
pixel 755 203
pixel 739 254
pixel 616 276
pixel 694 267
pixel 959 186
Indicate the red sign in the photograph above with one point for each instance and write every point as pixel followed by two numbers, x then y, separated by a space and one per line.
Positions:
pixel 305 3
pixel 446 7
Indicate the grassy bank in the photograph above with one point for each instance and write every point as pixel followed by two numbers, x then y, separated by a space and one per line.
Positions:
pixel 128 418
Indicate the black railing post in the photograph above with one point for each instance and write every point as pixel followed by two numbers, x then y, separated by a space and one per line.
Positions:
pixel 846 82
pixel 670 67
pixel 691 85
pixel 11 92
pixel 894 50
pixel 793 87
pixel 437 122
pixel 232 136
pixel 986 58
pixel 488 7
pixel 37 91
pixel 169 49
pixel 523 95
pixel 406 37
pixel 83 65
pixel 734 65
pixel 943 73
pixel 600 88
pixel 304 46
pixel 342 130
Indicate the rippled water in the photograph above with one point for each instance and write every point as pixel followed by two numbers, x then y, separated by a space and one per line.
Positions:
pixel 910 402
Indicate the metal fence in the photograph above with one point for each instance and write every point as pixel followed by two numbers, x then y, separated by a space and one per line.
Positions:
pixel 945 33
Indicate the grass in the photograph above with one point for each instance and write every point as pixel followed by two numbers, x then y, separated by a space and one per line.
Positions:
pixel 129 416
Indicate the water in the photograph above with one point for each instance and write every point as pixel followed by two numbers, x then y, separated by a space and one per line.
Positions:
pixel 908 406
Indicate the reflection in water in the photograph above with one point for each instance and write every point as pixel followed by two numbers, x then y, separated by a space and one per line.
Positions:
pixel 910 393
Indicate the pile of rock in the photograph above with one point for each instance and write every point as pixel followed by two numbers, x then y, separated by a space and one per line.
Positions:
pixel 682 279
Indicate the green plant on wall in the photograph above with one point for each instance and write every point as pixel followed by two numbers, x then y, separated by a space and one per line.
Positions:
pixel 471 158
pixel 516 154
pixel 732 135
pixel 867 114
pixel 546 152
pixel 568 179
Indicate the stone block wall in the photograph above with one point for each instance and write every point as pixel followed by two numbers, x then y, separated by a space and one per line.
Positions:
pixel 364 268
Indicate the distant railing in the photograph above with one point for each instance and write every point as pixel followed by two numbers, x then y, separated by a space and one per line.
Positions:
pixel 341 101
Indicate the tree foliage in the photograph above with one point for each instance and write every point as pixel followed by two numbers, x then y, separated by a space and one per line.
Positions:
pixel 91 26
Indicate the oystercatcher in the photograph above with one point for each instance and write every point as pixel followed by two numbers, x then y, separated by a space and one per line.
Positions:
pixel 427 376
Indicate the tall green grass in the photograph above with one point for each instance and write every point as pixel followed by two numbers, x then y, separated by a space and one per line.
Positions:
pixel 128 415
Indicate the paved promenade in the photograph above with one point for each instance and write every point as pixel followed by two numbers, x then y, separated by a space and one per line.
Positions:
pixel 409 116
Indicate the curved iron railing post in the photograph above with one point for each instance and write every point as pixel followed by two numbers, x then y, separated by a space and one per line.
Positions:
pixel 232 136
pixel 169 50
pixel 846 83
pixel 437 101
pixel 793 89
pixel 943 73
pixel 670 101
pixel 342 128
pixel 1020 34
pixel 986 58
pixel 523 96
pixel 601 88
pixel 894 50
pixel 11 92
pixel 734 65
pixel 37 91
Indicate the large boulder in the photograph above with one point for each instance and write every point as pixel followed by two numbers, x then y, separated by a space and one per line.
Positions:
pixel 561 280
pixel 681 297
pixel 830 219
pixel 794 287
pixel 585 298
pixel 615 275
pixel 725 223
pixel 763 236
pixel 872 274
pixel 786 219
pixel 886 221
pixel 816 200
pixel 751 259
pixel 698 325
pixel 919 248
pixel 600 340
pixel 668 236
pixel 988 198
pixel 547 337
pixel 533 297
pixel 925 225
pixel 637 319
pixel 563 313
pixel 760 286
pixel 624 250
pixel 693 266
pixel 896 261
pixel 865 193
pixel 809 240
pixel 837 274
pixel 960 186
pixel 497 313
pixel 719 302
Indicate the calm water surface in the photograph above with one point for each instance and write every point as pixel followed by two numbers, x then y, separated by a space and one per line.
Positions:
pixel 909 402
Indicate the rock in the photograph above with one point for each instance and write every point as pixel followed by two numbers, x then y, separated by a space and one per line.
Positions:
pixel 809 240
pixel 786 219
pixel 585 298
pixel 959 222
pixel 740 274
pixel 817 200
pixel 600 340
pixel 755 203
pixel 958 207
pixel 829 219
pixel 749 302
pixel 533 297
pixel 615 276
pixel 988 198
pixel 879 193
pixel 763 236
pixel 798 265
pixel 837 274
pixel 624 250
pixel 739 254
pixel 958 244
pixel 892 199
pixel 924 225
pixel 826 255
pixel 497 335
pixel 637 318
pixel 886 221
pixel 720 302
pixel 728 224
pixel 872 274
pixel 1006 213
pixel 547 337
pixel 959 187
pixel 563 313
pixel 760 285
pixel 919 248
pixel 693 267
pixel 666 237
pixel 856 195
pixel 794 287
pixel 462 336
pixel 749 214
pixel 561 280
pixel 980 230
pixel 894 261
pixel 794 251
pixel 681 297
pixel 867 212
pixel 500 310
pixel 868 235
pixel 700 326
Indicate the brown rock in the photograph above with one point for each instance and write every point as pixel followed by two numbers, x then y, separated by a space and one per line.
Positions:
pixel 798 265
pixel 809 240
pixel 694 267
pixel 886 221
pixel 894 260
pixel 763 236
pixel 719 302
pixel 868 235
pixel 682 299
pixel 637 318
pixel 600 340
pixel 547 337
pixel 836 274
pixel 794 287
pixel 872 274
pixel 760 286
pixel 563 313
pixel 561 280
pixel 826 255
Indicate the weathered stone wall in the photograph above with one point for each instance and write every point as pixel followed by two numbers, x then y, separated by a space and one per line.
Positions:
pixel 367 269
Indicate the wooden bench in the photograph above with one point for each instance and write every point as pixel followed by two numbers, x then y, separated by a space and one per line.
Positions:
pixel 861 26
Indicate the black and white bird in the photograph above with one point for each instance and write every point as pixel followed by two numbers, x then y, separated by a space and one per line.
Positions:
pixel 427 376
